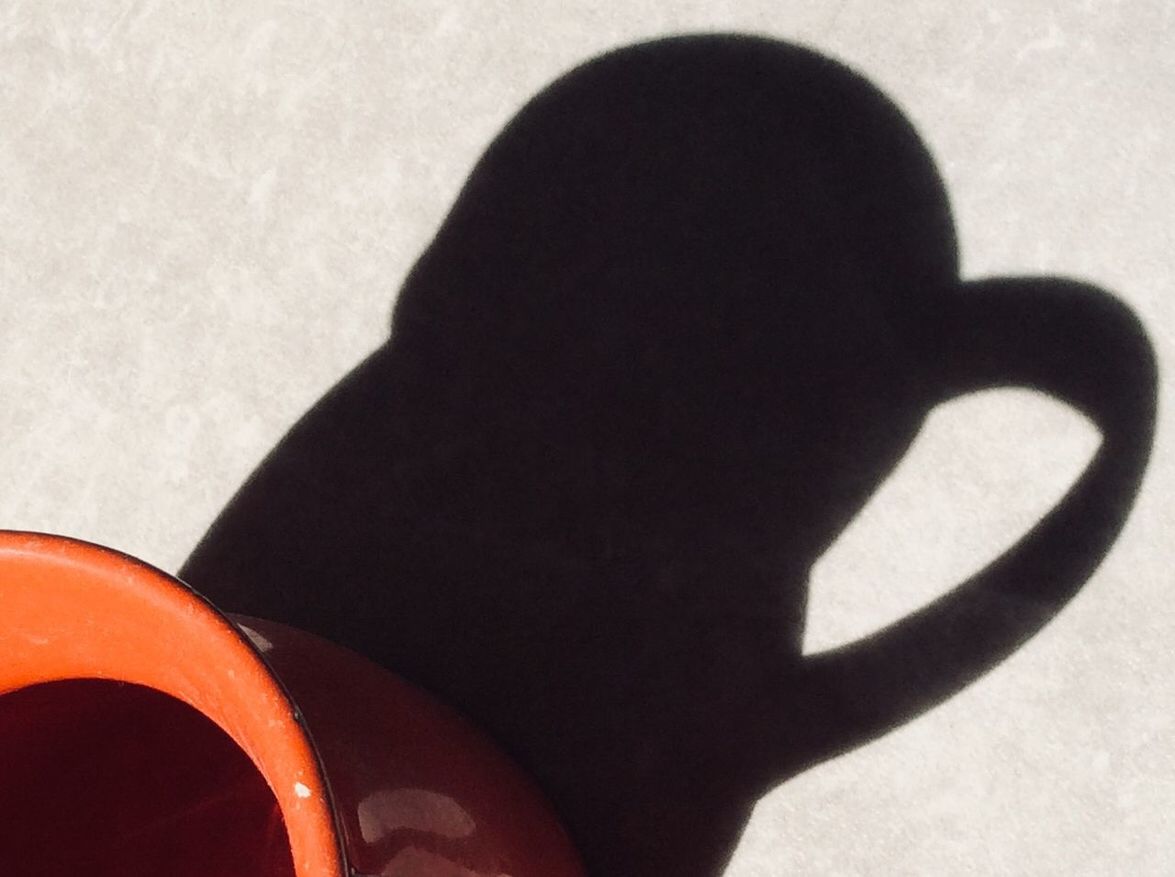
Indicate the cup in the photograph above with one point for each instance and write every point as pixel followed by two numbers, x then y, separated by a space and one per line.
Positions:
pixel 144 732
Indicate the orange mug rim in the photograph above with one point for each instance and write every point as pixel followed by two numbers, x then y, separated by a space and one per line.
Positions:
pixel 77 610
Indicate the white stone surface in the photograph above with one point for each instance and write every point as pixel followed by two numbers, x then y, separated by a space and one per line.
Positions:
pixel 206 209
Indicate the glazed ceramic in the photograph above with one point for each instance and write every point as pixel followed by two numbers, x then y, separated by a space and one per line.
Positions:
pixel 144 732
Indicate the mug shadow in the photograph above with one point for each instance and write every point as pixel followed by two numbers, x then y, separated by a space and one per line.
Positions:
pixel 691 307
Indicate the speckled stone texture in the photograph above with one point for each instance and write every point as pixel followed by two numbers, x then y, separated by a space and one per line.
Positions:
pixel 206 210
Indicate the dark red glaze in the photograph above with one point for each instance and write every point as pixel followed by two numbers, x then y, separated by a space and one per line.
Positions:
pixel 416 789
pixel 142 732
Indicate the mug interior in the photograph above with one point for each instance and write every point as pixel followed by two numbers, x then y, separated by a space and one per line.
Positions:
pixel 105 778
pixel 142 732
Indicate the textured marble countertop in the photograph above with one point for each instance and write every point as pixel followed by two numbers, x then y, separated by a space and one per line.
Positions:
pixel 206 210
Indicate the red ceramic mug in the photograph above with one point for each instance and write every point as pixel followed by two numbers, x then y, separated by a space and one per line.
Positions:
pixel 143 732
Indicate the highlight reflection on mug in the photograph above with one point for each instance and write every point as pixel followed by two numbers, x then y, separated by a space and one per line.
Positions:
pixel 387 811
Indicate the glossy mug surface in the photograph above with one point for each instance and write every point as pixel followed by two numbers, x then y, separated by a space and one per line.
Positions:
pixel 144 732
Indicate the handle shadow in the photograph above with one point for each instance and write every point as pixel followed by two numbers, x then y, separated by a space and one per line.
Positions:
pixel 1071 341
